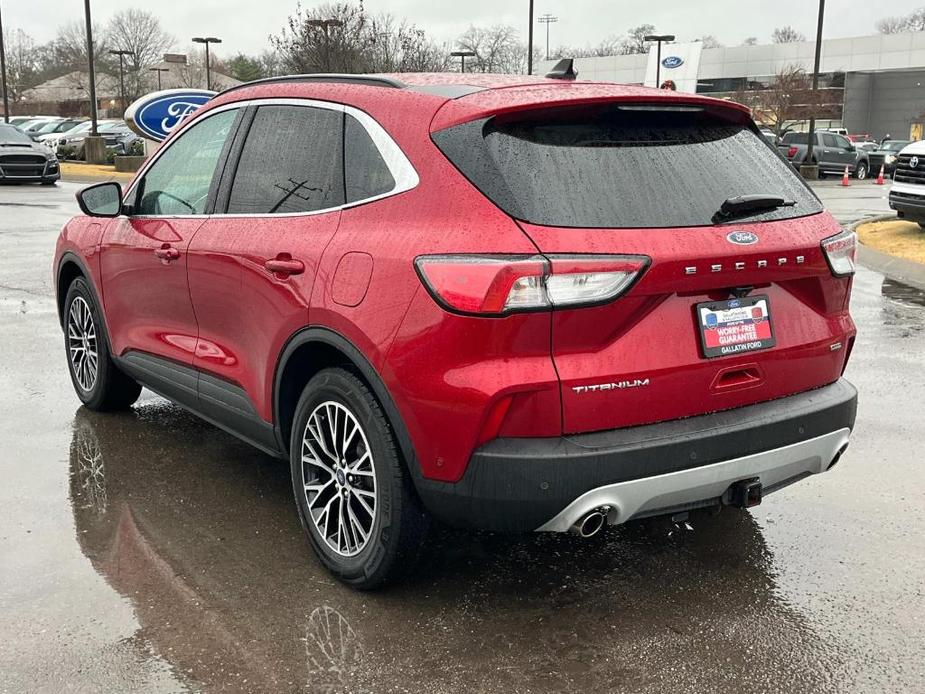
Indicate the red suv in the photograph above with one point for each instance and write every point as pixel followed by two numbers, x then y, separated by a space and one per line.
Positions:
pixel 510 303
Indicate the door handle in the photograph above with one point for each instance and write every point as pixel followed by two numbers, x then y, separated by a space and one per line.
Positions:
pixel 283 264
pixel 167 253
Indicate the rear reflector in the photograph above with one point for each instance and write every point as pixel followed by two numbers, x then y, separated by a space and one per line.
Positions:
pixel 496 285
pixel 841 252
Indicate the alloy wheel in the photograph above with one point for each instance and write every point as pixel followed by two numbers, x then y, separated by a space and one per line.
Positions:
pixel 82 344
pixel 338 477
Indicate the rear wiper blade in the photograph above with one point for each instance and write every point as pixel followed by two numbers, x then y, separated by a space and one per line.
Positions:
pixel 742 205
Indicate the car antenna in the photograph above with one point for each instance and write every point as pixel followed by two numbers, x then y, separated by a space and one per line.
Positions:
pixel 563 70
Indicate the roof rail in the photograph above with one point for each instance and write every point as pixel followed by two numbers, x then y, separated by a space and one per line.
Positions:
pixel 321 77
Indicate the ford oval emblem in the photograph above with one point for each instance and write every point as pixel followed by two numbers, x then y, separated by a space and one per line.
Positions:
pixel 743 238
pixel 673 61
pixel 154 116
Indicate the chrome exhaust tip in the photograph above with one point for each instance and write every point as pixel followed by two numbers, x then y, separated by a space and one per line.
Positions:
pixel 591 523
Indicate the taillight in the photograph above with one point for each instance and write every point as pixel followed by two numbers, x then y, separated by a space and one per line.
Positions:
pixel 841 252
pixel 496 285
pixel 792 151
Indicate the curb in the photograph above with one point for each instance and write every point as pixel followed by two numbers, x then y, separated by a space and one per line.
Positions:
pixel 899 269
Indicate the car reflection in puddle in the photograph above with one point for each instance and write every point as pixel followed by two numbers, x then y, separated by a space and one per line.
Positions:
pixel 200 534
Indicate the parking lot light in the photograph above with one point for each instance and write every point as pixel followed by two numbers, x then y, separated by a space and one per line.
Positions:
pixel 659 39
pixel 207 40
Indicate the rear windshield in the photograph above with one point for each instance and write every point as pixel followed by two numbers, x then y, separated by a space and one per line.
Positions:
pixel 796 138
pixel 615 166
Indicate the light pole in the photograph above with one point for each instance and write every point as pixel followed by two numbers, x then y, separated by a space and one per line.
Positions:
pixel 207 40
pixel 811 171
pixel 93 129
pixel 547 19
pixel 159 70
pixel 660 38
pixel 6 101
pixel 122 55
pixel 530 42
pixel 462 55
pixel 326 24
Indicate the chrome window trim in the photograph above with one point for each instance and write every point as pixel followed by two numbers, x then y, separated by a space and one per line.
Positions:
pixel 403 172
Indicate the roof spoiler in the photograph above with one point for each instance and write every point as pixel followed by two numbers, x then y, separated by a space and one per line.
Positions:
pixel 563 70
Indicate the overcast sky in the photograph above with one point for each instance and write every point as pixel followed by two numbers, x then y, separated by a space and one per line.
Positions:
pixel 581 22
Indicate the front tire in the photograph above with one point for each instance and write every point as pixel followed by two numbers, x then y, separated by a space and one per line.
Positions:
pixel 97 381
pixel 861 171
pixel 354 497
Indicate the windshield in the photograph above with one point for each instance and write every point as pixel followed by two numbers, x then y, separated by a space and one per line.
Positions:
pixel 894 145
pixel 12 135
pixel 49 127
pixel 82 127
pixel 614 167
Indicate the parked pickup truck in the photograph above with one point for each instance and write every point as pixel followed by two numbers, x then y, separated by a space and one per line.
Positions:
pixel 832 152
pixel 907 196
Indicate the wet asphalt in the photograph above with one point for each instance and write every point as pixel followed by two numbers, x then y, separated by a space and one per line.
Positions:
pixel 150 552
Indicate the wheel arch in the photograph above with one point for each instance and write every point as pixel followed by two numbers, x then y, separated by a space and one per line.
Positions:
pixel 309 351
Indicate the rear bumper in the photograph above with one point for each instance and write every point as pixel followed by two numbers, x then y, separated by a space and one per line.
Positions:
pixel 547 484
pixel 908 205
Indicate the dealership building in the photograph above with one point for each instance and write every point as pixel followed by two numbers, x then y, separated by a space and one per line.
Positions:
pixel 876 83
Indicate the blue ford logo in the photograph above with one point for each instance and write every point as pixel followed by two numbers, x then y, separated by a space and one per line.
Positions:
pixel 156 115
pixel 743 238
pixel 673 61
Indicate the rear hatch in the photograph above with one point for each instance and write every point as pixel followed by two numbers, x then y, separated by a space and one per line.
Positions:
pixel 726 310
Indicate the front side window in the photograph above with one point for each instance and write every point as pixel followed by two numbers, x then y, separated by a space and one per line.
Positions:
pixel 292 162
pixel 178 182
pixel 843 142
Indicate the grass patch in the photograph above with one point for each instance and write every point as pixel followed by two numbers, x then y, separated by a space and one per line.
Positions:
pixel 896 237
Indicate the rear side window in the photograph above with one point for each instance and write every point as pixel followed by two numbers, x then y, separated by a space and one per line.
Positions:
pixel 829 140
pixel 366 173
pixel 616 167
pixel 292 161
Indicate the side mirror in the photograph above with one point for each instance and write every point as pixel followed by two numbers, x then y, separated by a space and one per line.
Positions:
pixel 101 200
pixel 851 148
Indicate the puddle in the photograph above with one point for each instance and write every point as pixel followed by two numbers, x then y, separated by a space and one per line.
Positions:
pixel 902 293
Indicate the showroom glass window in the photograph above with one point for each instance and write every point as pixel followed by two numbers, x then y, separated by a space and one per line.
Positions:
pixel 178 182
pixel 292 162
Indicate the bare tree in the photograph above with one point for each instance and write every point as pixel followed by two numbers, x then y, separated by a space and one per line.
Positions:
pixel 710 41
pixel 612 45
pixel 399 46
pixel 496 48
pixel 140 32
pixel 750 41
pixel 787 34
pixel 69 48
pixel 914 21
pixel 305 46
pixel 789 97
pixel 635 39
pixel 22 68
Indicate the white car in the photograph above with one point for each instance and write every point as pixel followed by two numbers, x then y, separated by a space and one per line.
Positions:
pixel 907 195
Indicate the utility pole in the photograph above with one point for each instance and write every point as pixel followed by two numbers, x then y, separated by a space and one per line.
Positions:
pixel 6 100
pixel 659 38
pixel 207 40
pixel 807 169
pixel 93 128
pixel 530 42
pixel 547 19
pixel 122 55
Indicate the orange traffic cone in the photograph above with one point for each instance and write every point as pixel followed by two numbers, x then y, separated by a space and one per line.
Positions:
pixel 880 176
pixel 844 179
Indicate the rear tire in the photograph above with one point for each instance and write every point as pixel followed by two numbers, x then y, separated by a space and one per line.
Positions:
pixel 97 381
pixel 355 499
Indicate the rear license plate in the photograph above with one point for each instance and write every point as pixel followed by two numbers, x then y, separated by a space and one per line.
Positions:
pixel 735 326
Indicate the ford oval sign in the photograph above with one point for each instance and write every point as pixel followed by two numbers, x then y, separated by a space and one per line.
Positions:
pixel 154 116
pixel 743 238
pixel 673 61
